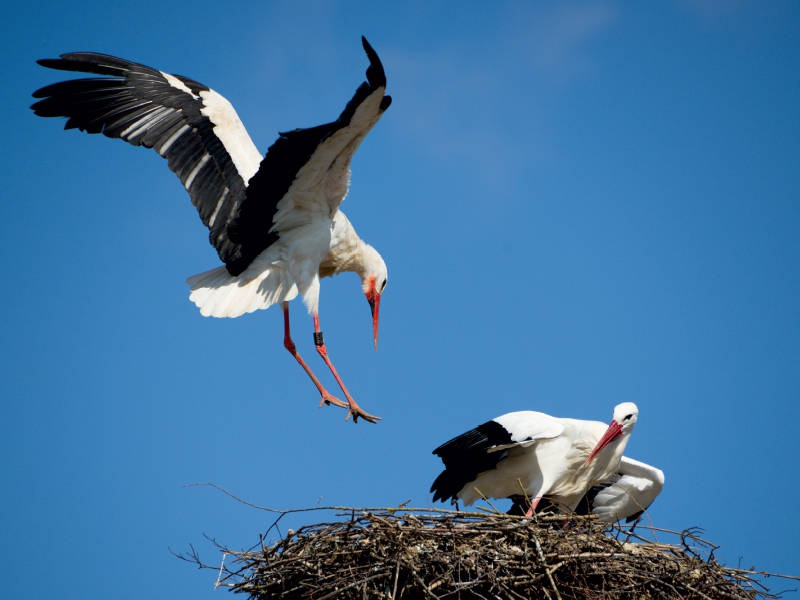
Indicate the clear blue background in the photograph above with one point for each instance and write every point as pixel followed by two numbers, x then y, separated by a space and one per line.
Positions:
pixel 580 204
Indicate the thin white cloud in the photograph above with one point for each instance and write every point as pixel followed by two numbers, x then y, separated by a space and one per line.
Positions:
pixel 473 114
pixel 554 41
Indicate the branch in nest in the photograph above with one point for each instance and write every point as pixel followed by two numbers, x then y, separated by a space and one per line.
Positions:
pixel 414 553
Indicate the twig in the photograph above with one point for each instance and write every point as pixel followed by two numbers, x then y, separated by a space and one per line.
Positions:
pixel 544 565
pixel 355 583
pixel 485 499
pixel 221 566
pixel 396 576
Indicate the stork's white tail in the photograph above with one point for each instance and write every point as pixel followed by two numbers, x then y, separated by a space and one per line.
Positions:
pixel 217 293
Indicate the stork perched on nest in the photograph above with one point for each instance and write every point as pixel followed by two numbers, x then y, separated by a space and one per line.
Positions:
pixel 275 222
pixel 530 455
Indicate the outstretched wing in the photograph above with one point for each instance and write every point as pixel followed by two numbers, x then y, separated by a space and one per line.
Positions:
pixel 626 494
pixel 480 449
pixel 193 127
pixel 306 172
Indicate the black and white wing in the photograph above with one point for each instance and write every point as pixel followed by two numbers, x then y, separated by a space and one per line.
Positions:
pixel 626 495
pixel 306 172
pixel 480 449
pixel 193 127
pixel 244 201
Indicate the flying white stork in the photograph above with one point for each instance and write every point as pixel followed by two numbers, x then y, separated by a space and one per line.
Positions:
pixel 535 455
pixel 625 495
pixel 274 221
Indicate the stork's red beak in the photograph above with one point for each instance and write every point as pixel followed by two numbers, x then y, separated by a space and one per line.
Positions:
pixel 613 432
pixel 374 299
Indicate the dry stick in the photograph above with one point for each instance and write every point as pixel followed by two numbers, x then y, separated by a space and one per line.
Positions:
pixel 355 583
pixel 224 554
pixel 422 583
pixel 396 576
pixel 544 565
pixel 341 508
pixel 524 493
pixel 485 499
pixel 763 573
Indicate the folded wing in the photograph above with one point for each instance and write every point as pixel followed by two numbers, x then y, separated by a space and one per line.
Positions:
pixel 627 494
pixel 481 449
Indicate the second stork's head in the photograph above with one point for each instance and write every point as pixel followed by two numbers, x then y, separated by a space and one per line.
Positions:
pixel 373 281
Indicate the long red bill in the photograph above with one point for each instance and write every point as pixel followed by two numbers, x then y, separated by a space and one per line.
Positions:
pixel 374 299
pixel 613 432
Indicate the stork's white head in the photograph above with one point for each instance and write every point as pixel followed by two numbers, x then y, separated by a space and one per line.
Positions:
pixel 626 414
pixel 622 423
pixel 374 277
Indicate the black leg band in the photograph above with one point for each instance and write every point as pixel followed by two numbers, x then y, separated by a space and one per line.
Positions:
pixel 318 339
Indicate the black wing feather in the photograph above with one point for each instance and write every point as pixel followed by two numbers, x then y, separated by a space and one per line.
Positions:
pixel 138 104
pixel 466 456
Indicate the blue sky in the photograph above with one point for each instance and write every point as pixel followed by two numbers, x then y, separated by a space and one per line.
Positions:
pixel 579 203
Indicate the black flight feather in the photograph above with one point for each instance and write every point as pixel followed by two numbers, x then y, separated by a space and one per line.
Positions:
pixel 466 456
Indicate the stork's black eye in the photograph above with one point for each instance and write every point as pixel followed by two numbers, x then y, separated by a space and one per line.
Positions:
pixel 385 281
pixel 628 417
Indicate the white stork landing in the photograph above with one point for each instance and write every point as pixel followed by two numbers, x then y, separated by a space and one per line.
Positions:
pixel 532 454
pixel 625 495
pixel 275 222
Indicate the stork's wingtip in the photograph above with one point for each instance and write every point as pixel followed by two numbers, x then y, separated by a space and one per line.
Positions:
pixel 375 73
pixel 50 63
pixel 371 54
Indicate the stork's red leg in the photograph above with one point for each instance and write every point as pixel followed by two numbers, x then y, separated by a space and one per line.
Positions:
pixel 289 345
pixel 355 409
pixel 534 504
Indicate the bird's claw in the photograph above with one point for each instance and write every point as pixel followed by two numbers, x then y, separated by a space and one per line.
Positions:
pixel 328 400
pixel 352 408
pixel 357 412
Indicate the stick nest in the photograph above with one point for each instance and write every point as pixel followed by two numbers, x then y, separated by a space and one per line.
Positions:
pixel 408 553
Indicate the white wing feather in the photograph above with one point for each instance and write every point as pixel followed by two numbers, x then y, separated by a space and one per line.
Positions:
pixel 322 183
pixel 527 427
pixel 232 133
pixel 635 490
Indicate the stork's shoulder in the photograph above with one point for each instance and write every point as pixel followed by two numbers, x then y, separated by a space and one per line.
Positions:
pixel 527 427
pixel 529 424
pixel 591 431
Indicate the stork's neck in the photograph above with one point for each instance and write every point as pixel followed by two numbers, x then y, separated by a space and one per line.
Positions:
pixel 608 459
pixel 348 252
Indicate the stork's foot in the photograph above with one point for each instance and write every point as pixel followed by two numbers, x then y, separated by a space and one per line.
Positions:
pixel 356 411
pixel 327 399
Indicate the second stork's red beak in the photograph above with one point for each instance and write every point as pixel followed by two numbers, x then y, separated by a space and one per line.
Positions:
pixel 613 432
pixel 374 299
